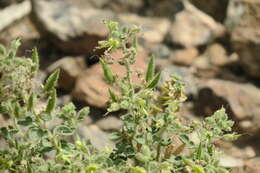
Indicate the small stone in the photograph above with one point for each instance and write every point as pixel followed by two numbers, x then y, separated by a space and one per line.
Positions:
pixel 184 57
pixel 109 123
pixel 230 162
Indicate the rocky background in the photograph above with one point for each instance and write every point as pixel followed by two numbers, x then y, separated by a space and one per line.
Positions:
pixel 213 44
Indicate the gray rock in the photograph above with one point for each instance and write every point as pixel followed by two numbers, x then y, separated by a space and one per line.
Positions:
pixel 243 24
pixel 72 29
pixel 18 11
pixel 109 123
pixel 98 138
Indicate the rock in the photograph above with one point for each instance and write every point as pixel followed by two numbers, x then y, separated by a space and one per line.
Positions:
pixel 184 57
pixel 241 101
pixel 72 29
pixel 153 29
pixel 18 11
pixel 252 165
pixel 217 55
pixel 109 123
pixel 214 8
pixel 192 27
pixel 230 162
pixel 97 138
pixel 24 30
pixel 163 8
pixel 119 6
pixel 243 24
pixel 70 69
pixel 213 61
pixel 186 75
pixel 203 68
pixel 160 51
pixel 91 86
pixel 5 3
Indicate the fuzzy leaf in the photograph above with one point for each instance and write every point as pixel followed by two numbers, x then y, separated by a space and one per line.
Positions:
pixel 52 81
pixel 63 130
pixel 150 69
pixel 82 113
pixel 155 81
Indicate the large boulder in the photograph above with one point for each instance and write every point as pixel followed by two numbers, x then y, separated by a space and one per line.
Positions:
pixel 243 24
pixel 72 29
pixel 91 87
pixel 191 27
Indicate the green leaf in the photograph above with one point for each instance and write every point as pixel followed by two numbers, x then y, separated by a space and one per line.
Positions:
pixel 155 81
pixel 45 117
pixel 35 59
pixel 52 81
pixel 63 130
pixel 186 140
pixel 51 102
pixel 115 136
pixel 150 69
pixel 26 121
pixel 108 73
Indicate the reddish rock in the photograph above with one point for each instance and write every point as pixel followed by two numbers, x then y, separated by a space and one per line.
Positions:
pixel 184 57
pixel 70 69
pixel 91 86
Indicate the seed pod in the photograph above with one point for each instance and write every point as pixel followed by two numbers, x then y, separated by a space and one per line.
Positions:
pixel 155 81
pixel 108 73
pixel 51 102
pixel 31 102
pixel 52 81
pixel 35 59
pixel 135 43
pixel 112 95
pixel 150 69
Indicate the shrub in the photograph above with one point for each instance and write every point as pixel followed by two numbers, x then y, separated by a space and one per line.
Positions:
pixel 153 139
